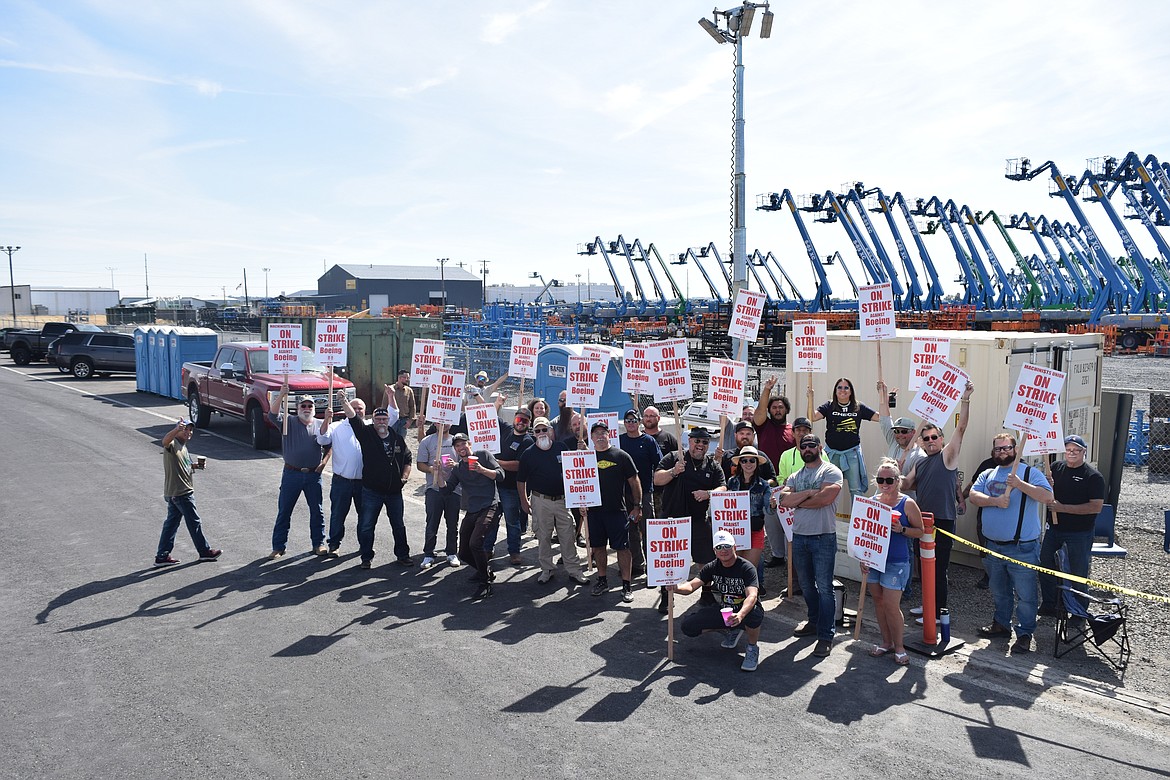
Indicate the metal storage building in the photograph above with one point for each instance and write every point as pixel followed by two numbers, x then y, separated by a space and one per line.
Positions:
pixel 59 301
pixel 376 286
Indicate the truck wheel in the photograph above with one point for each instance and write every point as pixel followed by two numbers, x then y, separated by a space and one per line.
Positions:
pixel 21 355
pixel 197 412
pixel 258 428
pixel 1129 340
pixel 82 368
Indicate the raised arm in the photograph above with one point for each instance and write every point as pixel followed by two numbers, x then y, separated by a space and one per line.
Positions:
pixel 951 450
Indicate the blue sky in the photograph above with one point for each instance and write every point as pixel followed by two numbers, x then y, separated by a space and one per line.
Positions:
pixel 215 136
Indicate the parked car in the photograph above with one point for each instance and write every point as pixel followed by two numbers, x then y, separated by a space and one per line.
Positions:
pixel 27 346
pixel 86 354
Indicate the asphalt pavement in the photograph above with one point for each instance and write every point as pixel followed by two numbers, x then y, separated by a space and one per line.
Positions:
pixel 308 667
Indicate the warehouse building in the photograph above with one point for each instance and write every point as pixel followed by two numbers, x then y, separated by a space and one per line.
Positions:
pixel 373 287
pixel 41 300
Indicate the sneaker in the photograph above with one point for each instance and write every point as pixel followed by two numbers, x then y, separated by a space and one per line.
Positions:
pixel 916 611
pixel 581 541
pixel 275 555
pixel 333 553
pixel 515 559
pixel 627 594
pixel 984 583
pixel 452 560
pixel 1023 644
pixel 427 562
pixel 545 577
pixel 320 550
pixel 994 630
pixel 823 648
pixel 732 638
pixel 483 591
pixel 751 658
pixel 580 579
pixel 1047 610
pixel 663 602
pixel 164 560
pixel 210 555
pixel 366 563
pixel 405 560
pixel 805 628
pixel 601 587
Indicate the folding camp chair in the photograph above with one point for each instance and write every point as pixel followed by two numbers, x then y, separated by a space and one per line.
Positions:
pixel 1100 625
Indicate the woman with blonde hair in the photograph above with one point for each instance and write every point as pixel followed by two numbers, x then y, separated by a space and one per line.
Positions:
pixel 886 587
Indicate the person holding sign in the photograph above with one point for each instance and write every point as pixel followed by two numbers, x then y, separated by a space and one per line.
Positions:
pixel 899 434
pixel 737 607
pixel 540 475
pixel 404 401
pixel 478 473
pixel 770 419
pixel 886 587
pixel 515 438
pixel 1078 493
pixel 616 473
pixel 436 457
pixel 345 489
pixel 304 460
pixel 1012 495
pixel 843 417
pixel 812 492
pixel 646 454
pixel 749 477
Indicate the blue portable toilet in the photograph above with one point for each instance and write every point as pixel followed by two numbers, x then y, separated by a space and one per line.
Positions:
pixel 186 345
pixel 142 358
pixel 552 371
pixel 159 382
pixel 152 337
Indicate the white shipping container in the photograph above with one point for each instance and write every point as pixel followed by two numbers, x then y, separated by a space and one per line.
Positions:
pixel 993 360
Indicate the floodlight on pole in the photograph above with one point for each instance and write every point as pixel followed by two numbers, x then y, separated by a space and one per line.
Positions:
pixel 11 279
pixel 712 30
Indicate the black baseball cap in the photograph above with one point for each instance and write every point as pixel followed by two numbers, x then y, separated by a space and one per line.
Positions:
pixel 743 425
pixel 700 433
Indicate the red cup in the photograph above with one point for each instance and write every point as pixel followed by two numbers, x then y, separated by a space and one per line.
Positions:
pixel 472 461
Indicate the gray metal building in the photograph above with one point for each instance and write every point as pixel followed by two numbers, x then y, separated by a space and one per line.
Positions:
pixel 375 286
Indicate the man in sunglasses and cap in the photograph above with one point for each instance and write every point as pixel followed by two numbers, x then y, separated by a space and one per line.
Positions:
pixel 736 584
pixel 1078 493
pixel 514 439
pixel 644 449
pixel 304 460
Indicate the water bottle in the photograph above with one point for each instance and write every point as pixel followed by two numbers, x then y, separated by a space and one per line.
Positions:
pixel 944 626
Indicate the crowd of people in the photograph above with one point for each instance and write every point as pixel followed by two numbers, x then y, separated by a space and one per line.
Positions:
pixel 651 474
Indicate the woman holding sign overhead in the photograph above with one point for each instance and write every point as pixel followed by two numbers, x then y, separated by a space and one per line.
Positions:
pixel 843 416
pixel 886 587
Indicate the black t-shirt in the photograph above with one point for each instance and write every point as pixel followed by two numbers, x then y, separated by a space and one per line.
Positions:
pixel 614 469
pixel 730 582
pixel 843 427
pixel 383 460
pixel 512 446
pixel 667 441
pixel 646 453
pixel 540 470
pixel 678 499
pixel 1076 486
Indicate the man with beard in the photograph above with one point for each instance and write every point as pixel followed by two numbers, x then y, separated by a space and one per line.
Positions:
pixel 304 460
pixel 812 492
pixel 688 483
pixel 436 455
pixel 666 442
pixel 514 439
pixel 478 474
pixel 404 402
pixel 386 465
pixel 616 474
pixel 1078 493
pixel 563 422
pixel 540 486
pixel 346 487
pixel 1012 495
pixel 771 421
pixel 646 454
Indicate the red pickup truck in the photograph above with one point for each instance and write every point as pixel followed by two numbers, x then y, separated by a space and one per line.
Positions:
pixel 237 383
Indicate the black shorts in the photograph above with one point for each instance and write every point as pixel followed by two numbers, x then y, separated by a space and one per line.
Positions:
pixel 711 619
pixel 608 524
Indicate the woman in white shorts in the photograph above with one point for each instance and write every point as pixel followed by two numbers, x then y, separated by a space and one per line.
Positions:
pixel 886 587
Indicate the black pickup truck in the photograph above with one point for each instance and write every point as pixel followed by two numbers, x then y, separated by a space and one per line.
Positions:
pixel 26 346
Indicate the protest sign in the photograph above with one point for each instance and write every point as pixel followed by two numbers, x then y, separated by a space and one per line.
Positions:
pixel 925 351
pixel 583 390
pixel 745 317
pixel 636 368
pixel 284 348
pixel 810 346
pixel 525 347
pixel 940 393
pixel 611 422
pixel 601 354
pixel 670 367
pixel 579 469
pixel 725 384
pixel 731 512
pixel 875 311
pixel 333 341
pixel 483 427
pixel 1035 400
pixel 668 551
pixel 426 354
pixel 786 514
pixel 1051 443
pixel 869 532
pixel 445 395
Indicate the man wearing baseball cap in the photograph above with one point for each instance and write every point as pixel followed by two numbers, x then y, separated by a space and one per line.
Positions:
pixel 514 439
pixel 1078 493
pixel 736 586
pixel 179 492
pixel 901 443
pixel 646 453
pixel 616 475
pixel 304 460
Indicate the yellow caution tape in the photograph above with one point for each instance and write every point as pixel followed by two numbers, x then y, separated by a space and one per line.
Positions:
pixel 1062 575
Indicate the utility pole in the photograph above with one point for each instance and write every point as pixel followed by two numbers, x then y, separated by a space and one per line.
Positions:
pixel 485 273
pixel 578 288
pixel 266 270
pixel 11 279
pixel 111 269
pixel 146 267
pixel 442 261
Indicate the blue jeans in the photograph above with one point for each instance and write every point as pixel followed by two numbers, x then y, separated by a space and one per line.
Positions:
pixel 1079 545
pixel 400 426
pixel 439 507
pixel 813 558
pixel 372 503
pixel 852 465
pixel 1013 587
pixel 342 493
pixel 181 507
pixel 513 522
pixel 292 485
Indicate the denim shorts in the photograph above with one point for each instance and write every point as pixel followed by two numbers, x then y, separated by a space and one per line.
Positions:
pixel 895 577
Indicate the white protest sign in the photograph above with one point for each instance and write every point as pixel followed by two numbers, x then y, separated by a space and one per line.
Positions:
pixel 579 469
pixel 875 311
pixel 745 317
pixel 869 532
pixel 668 550
pixel 525 347
pixel 483 427
pixel 1051 443
pixel 725 385
pixel 636 368
pixel 1035 400
pixel 786 514
pixel 583 390
pixel 601 355
pixel 925 351
pixel 426 354
pixel 611 422
pixel 810 351
pixel 284 349
pixel 333 341
pixel 445 396
pixel 940 393
pixel 670 367
pixel 731 511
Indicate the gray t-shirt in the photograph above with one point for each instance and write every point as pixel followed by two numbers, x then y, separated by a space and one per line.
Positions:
pixel 427 454
pixel 299 446
pixel 177 479
pixel 812 522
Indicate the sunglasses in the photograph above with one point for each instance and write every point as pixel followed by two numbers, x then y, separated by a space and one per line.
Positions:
pixel 540 430
pixel 520 420
pixel 1007 448
pixel 719 547
pixel 748 460
pixel 307 406
pixel 885 480
pixel 701 442
pixel 931 438
pixel 809 446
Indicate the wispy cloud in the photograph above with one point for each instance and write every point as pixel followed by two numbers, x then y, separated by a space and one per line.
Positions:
pixel 500 26
pixel 448 74
pixel 202 86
